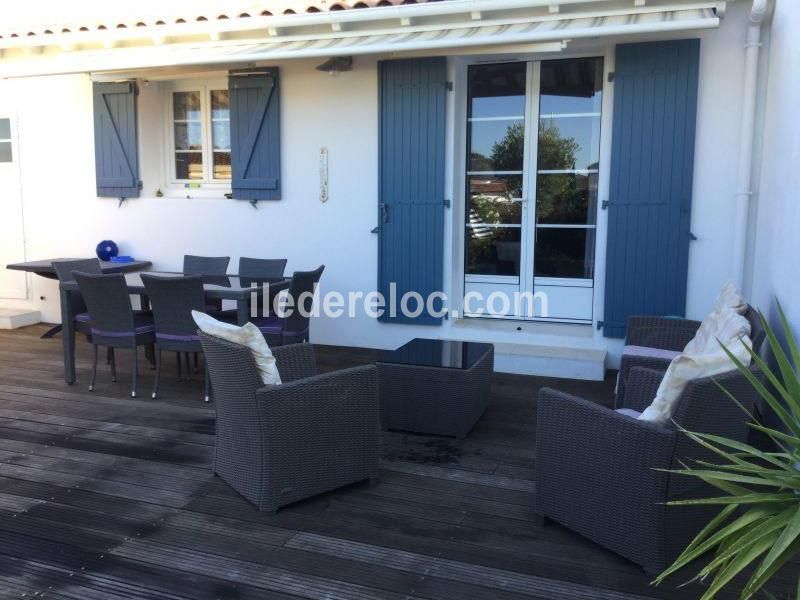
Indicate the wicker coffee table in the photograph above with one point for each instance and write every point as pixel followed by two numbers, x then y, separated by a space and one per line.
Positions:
pixel 435 386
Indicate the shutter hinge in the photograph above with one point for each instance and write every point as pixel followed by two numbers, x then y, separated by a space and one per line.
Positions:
pixel 448 86
pixel 447 202
pixel 601 324
pixel 611 77
pixel 139 186
pixel 604 204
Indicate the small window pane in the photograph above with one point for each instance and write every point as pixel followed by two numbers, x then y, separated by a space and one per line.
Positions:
pixel 222 165
pixel 5 129
pixel 569 143
pixel 220 105
pixel 495 199
pixel 188 136
pixel 186 106
pixel 497 90
pixel 496 145
pixel 5 152
pixel 493 250
pixel 571 86
pixel 564 253
pixel 221 135
pixel 568 198
pixel 189 165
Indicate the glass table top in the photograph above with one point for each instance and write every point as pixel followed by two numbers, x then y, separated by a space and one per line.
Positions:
pixel 445 354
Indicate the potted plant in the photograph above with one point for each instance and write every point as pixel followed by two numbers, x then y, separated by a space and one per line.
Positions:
pixel 758 526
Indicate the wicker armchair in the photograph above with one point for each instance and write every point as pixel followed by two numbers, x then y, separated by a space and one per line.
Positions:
pixel 597 470
pixel 668 336
pixel 279 444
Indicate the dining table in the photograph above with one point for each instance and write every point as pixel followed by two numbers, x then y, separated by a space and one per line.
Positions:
pixel 44 268
pixel 218 287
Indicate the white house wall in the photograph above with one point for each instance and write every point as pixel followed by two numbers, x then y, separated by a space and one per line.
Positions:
pixel 777 244
pixel 65 218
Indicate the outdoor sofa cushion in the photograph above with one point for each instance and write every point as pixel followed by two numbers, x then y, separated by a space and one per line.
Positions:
pixel 248 335
pixel 730 329
pixel 705 340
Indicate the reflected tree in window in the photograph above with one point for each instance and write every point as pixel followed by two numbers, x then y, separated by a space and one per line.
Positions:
pixel 560 197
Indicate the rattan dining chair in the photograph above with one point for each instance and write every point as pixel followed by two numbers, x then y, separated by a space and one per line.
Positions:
pixel 205 265
pixel 261 267
pixel 173 299
pixel 113 322
pixel 64 269
pixel 257 269
pixel 292 327
pixel 210 266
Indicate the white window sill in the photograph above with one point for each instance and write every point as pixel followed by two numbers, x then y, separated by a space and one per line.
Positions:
pixel 208 191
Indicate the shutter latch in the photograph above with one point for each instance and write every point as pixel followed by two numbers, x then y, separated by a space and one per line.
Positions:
pixel 604 204
pixel 446 202
pixel 611 77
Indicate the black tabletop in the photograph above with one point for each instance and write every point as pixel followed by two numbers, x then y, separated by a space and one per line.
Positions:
pixel 227 287
pixel 445 354
pixel 45 267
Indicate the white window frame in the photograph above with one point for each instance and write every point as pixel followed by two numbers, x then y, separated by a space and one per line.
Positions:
pixel 9 139
pixel 462 280
pixel 175 186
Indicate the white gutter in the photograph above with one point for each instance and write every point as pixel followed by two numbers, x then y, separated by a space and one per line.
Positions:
pixel 747 127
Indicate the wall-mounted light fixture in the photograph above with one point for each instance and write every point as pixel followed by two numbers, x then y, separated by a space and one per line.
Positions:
pixel 336 65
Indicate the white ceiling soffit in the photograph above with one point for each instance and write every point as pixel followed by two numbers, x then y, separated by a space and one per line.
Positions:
pixel 554 27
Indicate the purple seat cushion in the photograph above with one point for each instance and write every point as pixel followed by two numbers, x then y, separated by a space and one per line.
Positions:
pixel 168 337
pixel 628 412
pixel 83 317
pixel 142 324
pixel 271 324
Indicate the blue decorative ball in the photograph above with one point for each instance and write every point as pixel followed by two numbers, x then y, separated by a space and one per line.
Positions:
pixel 106 249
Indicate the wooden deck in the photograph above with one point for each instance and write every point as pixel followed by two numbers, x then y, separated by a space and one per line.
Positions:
pixel 102 496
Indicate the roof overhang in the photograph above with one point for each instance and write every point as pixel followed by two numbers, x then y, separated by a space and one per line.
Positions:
pixel 454 25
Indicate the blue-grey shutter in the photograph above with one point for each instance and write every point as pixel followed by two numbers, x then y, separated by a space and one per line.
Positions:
pixel 411 211
pixel 116 152
pixel 255 134
pixel 650 195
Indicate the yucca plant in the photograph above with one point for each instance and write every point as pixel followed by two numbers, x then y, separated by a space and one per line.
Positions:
pixel 758 526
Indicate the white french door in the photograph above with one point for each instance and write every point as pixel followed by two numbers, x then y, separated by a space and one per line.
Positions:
pixel 533 144
pixel 12 249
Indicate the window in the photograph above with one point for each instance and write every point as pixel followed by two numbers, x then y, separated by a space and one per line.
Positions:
pixel 5 141
pixel 200 132
pixel 570 97
pixel 495 139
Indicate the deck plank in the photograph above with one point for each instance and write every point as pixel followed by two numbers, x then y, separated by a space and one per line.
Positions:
pixel 104 496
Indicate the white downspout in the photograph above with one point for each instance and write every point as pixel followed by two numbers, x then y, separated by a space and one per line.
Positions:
pixel 744 173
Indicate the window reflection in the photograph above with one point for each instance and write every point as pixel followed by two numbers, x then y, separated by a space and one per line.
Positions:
pixel 492 250
pixel 567 166
pixel 564 253
pixel 497 91
pixel 495 151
